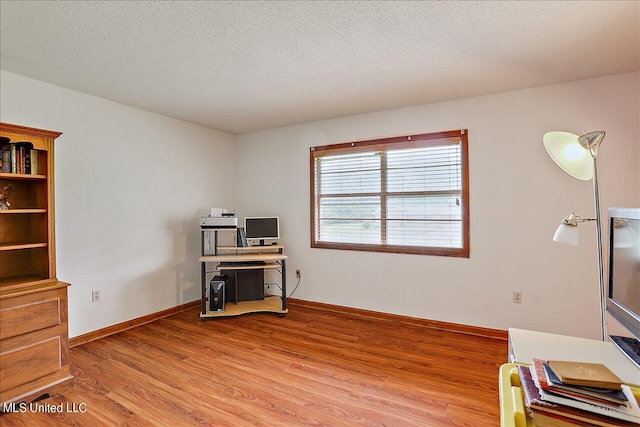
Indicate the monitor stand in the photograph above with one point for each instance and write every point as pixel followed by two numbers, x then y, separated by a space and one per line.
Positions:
pixel 630 347
pixel 261 242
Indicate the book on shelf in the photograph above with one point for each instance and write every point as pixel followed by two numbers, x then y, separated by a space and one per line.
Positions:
pixel 25 154
pixel 17 157
pixel 6 159
pixel 34 161
pixel 13 163
pixel 537 401
pixel 585 374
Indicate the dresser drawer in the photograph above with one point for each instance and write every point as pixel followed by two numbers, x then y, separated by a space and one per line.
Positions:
pixel 29 313
pixel 34 342
pixel 24 364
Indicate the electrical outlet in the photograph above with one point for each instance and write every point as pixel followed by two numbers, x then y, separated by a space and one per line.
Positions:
pixel 517 297
pixel 95 295
pixel 298 273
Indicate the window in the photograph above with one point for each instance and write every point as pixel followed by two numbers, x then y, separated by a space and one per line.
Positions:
pixel 407 194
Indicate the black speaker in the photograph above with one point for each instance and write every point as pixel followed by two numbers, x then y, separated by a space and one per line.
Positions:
pixel 250 284
pixel 216 293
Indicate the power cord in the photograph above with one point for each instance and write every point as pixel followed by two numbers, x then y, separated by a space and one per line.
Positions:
pixel 276 284
pixel 294 289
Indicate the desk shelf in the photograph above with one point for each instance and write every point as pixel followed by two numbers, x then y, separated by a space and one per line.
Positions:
pixel 268 258
pixel 271 304
pixel 269 266
pixel 266 248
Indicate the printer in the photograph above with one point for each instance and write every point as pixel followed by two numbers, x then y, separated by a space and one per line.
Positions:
pixel 219 218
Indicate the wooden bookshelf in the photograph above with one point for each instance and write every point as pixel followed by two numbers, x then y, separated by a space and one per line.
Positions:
pixel 34 338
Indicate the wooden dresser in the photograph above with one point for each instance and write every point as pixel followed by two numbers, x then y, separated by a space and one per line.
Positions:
pixel 34 337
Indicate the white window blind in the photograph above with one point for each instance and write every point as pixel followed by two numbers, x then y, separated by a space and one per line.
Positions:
pixel 404 195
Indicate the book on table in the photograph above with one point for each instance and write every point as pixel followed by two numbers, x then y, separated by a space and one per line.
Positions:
pixel 585 374
pixel 558 409
pixel 549 382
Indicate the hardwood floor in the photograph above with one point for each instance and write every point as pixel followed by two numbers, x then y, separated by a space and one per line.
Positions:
pixel 312 367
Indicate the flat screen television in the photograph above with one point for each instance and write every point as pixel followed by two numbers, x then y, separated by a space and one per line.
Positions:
pixel 624 277
pixel 262 228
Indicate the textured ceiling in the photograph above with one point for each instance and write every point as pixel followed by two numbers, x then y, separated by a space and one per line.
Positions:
pixel 246 66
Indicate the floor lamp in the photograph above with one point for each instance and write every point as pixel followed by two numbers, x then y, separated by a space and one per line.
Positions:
pixel 578 156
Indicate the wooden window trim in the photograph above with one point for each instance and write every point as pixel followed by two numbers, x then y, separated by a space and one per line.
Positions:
pixel 408 141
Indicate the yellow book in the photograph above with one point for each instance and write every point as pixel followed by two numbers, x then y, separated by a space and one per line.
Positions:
pixel 585 374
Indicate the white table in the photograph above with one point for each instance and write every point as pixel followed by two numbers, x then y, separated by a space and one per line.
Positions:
pixel 525 345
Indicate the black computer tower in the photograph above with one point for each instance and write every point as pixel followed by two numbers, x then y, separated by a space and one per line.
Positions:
pixel 250 284
pixel 217 287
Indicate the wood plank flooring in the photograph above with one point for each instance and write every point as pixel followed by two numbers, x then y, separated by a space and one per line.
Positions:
pixel 312 367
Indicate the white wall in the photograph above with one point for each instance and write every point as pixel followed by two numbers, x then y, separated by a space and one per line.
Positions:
pixel 130 187
pixel 518 197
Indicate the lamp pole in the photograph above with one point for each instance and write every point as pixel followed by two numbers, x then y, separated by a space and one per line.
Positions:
pixel 603 294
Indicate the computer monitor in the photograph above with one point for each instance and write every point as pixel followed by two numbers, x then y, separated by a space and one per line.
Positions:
pixel 624 277
pixel 262 228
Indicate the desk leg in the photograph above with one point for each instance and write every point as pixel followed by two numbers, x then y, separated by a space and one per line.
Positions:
pixel 235 284
pixel 203 290
pixel 284 285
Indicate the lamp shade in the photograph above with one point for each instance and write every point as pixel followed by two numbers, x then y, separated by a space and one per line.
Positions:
pixel 565 149
pixel 566 234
